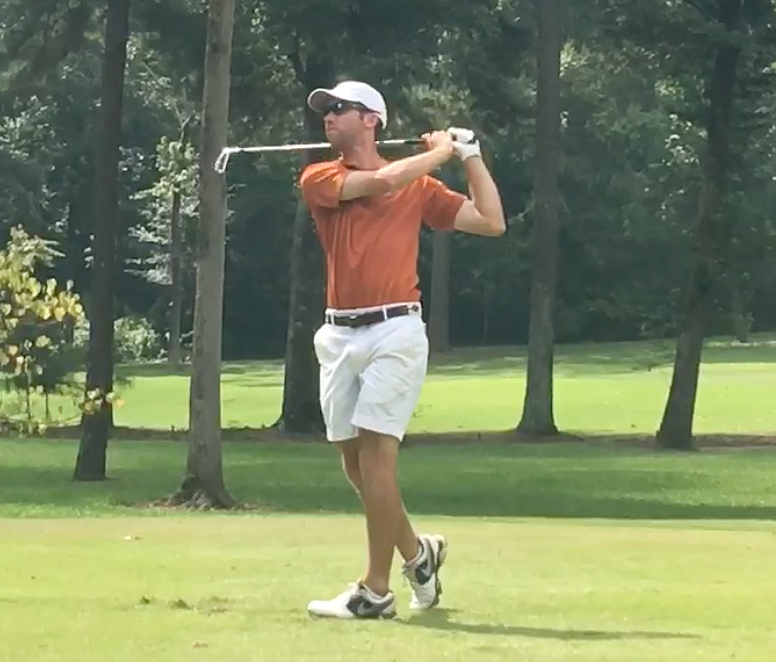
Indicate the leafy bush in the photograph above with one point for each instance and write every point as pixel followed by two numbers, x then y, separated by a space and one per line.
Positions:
pixel 134 339
pixel 37 322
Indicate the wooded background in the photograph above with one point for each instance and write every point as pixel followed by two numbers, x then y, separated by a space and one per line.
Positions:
pixel 633 113
pixel 657 114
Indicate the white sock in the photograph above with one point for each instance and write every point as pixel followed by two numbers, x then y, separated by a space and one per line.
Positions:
pixel 372 595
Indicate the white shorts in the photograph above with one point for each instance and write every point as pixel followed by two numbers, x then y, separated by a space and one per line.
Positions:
pixel 371 377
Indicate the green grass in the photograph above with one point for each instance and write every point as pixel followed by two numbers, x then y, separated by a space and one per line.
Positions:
pixel 558 552
pixel 617 388
pixel 234 589
pixel 611 388
pixel 525 480
pixel 594 552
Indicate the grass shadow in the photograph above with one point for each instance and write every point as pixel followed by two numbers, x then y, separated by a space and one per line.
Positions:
pixel 163 369
pixel 439 619
pixel 556 481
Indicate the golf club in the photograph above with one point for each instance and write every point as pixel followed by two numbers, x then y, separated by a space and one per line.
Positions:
pixel 223 158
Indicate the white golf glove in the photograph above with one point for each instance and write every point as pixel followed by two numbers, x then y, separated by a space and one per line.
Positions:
pixel 465 143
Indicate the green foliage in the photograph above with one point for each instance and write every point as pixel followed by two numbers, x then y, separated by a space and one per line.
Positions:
pixel 176 163
pixel 134 339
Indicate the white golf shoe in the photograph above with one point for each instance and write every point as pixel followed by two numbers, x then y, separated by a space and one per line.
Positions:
pixel 423 573
pixel 357 602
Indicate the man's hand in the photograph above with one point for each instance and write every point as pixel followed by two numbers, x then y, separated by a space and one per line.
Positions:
pixel 465 143
pixel 440 141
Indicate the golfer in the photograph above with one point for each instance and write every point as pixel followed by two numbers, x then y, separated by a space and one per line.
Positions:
pixel 372 347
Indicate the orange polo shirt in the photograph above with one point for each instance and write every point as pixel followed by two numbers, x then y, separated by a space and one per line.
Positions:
pixel 371 244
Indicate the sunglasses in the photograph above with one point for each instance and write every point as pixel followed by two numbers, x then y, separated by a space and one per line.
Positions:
pixel 342 107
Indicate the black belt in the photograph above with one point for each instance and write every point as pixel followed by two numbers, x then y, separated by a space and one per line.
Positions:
pixel 356 320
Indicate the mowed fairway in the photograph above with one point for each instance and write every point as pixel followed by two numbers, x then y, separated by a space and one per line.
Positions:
pixel 613 388
pixel 592 552
pixel 562 552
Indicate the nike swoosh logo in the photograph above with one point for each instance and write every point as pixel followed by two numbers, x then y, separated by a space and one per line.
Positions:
pixel 360 606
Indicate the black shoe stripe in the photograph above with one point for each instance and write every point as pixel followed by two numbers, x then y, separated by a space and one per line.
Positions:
pixel 431 565
pixel 361 607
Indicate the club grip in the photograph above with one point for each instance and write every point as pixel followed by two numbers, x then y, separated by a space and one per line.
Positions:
pixel 420 141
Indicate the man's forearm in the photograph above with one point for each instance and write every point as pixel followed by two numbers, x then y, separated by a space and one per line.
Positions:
pixel 399 174
pixel 483 190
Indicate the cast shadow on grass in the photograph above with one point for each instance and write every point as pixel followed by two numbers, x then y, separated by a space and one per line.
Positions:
pixel 439 619
pixel 568 481
pixel 164 369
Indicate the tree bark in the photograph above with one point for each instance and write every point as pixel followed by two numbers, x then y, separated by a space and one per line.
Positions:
pixel 742 322
pixel 176 284
pixel 176 266
pixel 301 409
pixel 203 485
pixel 439 316
pixel 96 426
pixel 675 430
pixel 487 296
pixel 538 418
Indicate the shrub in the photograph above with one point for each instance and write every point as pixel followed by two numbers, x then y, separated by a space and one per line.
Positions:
pixel 134 339
pixel 37 323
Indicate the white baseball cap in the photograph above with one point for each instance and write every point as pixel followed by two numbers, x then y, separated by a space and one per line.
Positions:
pixel 353 91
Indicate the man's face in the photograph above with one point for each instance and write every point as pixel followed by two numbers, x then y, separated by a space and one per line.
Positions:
pixel 345 122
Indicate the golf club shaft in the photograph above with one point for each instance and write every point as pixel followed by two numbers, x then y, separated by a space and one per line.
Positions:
pixel 223 159
pixel 305 146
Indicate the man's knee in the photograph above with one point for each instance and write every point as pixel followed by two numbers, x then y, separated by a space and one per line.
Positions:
pixel 378 453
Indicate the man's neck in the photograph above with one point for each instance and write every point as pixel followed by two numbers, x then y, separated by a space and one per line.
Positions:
pixel 363 156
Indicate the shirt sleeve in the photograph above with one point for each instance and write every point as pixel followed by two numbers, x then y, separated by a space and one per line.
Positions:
pixel 321 184
pixel 440 204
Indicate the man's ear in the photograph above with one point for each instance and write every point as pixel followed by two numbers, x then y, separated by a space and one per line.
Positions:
pixel 373 121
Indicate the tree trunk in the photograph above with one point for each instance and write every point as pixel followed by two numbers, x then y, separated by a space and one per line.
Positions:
pixel 203 485
pixel 73 266
pixel 96 426
pixel 487 295
pixel 537 417
pixel 176 283
pixel 301 409
pixel 439 317
pixel 176 264
pixel 742 320
pixel 676 427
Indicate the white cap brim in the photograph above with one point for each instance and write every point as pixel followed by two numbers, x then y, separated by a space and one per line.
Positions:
pixel 321 97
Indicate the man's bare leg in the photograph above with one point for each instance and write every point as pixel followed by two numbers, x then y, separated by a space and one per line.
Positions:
pixel 387 522
pixel 407 543
pixel 350 465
